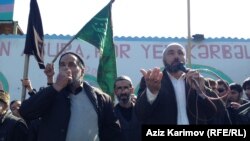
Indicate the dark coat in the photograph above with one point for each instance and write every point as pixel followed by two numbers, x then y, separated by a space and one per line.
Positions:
pixel 244 114
pixel 222 116
pixel 241 115
pixel 164 108
pixel 12 128
pixel 54 109
pixel 130 129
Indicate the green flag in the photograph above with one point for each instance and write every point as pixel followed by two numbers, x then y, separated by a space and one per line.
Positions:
pixel 98 32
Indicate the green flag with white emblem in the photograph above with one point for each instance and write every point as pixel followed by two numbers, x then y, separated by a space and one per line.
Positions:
pixel 98 32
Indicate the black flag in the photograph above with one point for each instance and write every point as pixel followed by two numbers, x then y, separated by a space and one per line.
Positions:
pixel 34 37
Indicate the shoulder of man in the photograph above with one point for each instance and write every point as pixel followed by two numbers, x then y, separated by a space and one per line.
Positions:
pixel 91 88
pixel 97 91
pixel 100 92
pixel 13 121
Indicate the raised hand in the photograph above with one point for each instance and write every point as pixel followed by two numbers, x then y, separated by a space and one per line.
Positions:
pixel 27 84
pixel 49 72
pixel 153 79
pixel 63 79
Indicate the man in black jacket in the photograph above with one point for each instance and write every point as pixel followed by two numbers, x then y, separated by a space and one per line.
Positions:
pixel 12 128
pixel 175 95
pixel 125 109
pixel 71 109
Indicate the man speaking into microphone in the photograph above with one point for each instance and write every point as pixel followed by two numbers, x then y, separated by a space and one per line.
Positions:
pixel 176 95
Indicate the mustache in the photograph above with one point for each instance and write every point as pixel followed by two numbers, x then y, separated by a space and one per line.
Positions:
pixel 124 94
pixel 175 66
pixel 176 61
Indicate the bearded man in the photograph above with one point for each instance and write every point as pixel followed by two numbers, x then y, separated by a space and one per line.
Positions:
pixel 71 109
pixel 176 95
pixel 124 110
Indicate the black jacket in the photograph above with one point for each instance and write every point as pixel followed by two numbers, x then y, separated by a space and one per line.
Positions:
pixel 130 129
pixel 54 109
pixel 12 128
pixel 164 108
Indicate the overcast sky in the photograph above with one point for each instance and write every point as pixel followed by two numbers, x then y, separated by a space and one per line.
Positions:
pixel 161 18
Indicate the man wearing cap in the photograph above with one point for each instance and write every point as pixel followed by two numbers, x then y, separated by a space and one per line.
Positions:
pixel 12 128
pixel 71 109
pixel 175 95
pixel 124 110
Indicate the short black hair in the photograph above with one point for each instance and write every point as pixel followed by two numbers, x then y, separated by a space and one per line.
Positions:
pixel 13 101
pixel 236 87
pixel 246 83
pixel 77 56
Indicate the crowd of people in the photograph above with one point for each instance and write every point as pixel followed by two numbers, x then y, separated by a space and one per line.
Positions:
pixel 70 109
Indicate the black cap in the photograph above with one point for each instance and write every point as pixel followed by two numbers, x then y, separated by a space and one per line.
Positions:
pixel 77 56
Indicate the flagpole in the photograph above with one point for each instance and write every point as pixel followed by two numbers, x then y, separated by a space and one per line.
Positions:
pixel 60 52
pixel 25 75
pixel 189 35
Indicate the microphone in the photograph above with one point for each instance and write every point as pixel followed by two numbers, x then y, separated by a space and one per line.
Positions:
pixel 183 68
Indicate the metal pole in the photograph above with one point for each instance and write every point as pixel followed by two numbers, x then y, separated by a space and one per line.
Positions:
pixel 25 75
pixel 60 52
pixel 189 35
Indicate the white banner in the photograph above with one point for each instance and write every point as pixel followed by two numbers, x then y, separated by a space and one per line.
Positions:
pixel 228 58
